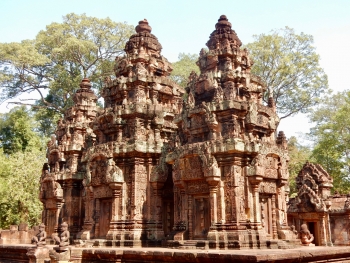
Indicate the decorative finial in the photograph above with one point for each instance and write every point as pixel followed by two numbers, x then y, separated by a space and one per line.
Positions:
pixel 85 83
pixel 223 22
pixel 143 26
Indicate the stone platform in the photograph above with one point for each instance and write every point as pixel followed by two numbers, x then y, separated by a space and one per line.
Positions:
pixel 17 253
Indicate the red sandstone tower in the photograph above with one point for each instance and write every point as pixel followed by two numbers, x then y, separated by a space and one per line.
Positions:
pixel 230 172
pixel 135 126
pixel 61 182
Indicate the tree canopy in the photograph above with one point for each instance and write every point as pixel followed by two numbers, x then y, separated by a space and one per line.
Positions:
pixel 183 67
pixel 54 63
pixel 19 187
pixel 331 136
pixel 299 155
pixel 21 159
pixel 289 65
pixel 17 131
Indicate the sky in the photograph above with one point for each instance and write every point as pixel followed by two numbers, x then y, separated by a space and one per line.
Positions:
pixel 185 26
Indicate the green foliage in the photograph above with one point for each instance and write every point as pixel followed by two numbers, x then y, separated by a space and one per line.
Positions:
pixel 21 160
pixel 289 65
pixel 331 135
pixel 55 62
pixel 298 154
pixel 17 132
pixel 183 67
pixel 19 187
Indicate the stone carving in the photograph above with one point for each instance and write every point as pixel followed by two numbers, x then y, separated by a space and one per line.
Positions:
pixel 113 172
pixel 40 238
pixel 305 236
pixel 196 187
pixel 63 238
pixel 267 187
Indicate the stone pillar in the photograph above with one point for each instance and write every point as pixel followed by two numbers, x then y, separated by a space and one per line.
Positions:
pixel 213 205
pixel 222 202
pixel 58 210
pixel 190 217
pixel 158 233
pixel 97 217
pixel 323 234
pixel 176 205
pixel 183 205
pixel 328 226
pixel 116 188
pixel 88 222
pixel 255 181
pixel 274 220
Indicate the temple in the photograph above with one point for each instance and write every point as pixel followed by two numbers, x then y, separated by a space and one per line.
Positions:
pixel 161 165
pixel 162 162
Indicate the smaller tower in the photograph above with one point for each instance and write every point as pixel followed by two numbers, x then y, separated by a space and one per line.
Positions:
pixel 61 182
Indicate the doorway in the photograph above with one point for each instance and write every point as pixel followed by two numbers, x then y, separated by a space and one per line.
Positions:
pixel 266 214
pixel 201 217
pixel 105 217
pixel 168 203
pixel 313 228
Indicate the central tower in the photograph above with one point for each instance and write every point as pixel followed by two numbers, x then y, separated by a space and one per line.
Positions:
pixel 230 170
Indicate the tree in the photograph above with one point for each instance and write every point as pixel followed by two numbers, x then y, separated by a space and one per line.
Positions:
pixel 331 136
pixel 183 67
pixel 21 158
pixel 55 62
pixel 17 131
pixel 289 65
pixel 298 154
pixel 19 187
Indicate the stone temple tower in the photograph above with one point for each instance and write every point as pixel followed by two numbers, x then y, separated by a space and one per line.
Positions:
pixel 229 169
pixel 61 188
pixel 135 126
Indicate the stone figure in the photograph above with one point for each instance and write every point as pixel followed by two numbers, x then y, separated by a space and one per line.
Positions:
pixel 114 173
pixel 190 100
pixel 218 93
pixel 63 239
pixel 140 70
pixel 294 231
pixel 305 236
pixel 228 65
pixel 40 238
pixel 229 91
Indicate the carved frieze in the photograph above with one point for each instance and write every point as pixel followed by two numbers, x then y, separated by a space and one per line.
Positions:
pixel 197 187
pixel 267 187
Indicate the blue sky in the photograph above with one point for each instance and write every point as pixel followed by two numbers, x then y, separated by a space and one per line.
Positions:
pixel 184 26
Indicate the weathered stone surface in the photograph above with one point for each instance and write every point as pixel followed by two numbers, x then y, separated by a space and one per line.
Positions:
pixel 16 236
pixel 229 169
pixel 38 255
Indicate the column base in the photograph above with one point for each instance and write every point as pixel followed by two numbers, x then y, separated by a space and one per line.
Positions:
pixel 134 230
pixel 85 234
